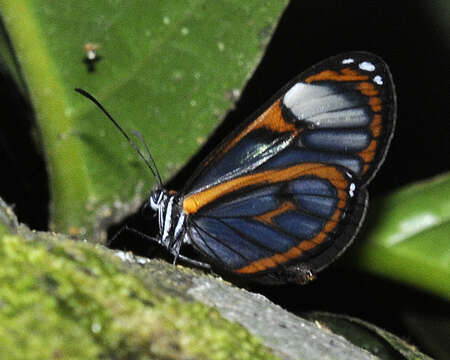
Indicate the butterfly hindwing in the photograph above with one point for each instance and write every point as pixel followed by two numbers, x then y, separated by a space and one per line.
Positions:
pixel 265 223
pixel 289 185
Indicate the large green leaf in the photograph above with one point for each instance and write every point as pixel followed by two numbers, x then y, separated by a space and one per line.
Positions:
pixel 407 237
pixel 165 68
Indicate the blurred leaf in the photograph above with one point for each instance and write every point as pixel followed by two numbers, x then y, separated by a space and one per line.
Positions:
pixel 164 68
pixel 407 237
pixel 8 62
pixel 377 341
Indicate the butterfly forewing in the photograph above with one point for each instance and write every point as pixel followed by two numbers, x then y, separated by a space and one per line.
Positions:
pixel 348 108
pixel 289 185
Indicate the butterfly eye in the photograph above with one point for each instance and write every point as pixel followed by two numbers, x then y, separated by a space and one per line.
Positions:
pixel 155 199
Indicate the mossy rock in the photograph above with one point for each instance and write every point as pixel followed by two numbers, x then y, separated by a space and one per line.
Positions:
pixel 66 299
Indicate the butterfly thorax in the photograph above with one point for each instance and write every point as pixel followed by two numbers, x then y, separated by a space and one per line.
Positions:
pixel 171 219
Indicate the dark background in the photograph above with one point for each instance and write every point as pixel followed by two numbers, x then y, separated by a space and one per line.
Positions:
pixel 414 41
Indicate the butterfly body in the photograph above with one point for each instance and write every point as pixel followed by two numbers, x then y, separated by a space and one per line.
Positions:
pixel 285 194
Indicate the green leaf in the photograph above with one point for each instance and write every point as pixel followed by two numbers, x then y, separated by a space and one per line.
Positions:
pixel 8 61
pixel 377 341
pixel 407 237
pixel 163 68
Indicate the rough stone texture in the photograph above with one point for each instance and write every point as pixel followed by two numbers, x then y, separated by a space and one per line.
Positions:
pixel 70 299
pixel 290 336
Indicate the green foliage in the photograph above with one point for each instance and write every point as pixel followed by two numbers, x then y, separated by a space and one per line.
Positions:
pixel 406 238
pixel 164 68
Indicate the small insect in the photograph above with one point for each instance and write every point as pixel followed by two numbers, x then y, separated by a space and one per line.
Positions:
pixel 91 55
pixel 285 193
pixel 91 50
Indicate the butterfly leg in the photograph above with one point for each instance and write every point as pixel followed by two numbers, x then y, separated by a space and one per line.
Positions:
pixel 174 252
pixel 138 233
pixel 195 263
pixel 110 242
pixel 125 229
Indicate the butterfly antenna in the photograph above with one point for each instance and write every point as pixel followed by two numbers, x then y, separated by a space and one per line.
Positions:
pixel 149 154
pixel 132 143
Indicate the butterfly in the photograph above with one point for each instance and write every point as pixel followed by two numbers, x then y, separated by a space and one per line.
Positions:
pixel 285 193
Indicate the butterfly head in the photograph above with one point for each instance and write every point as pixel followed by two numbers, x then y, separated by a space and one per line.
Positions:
pixel 156 198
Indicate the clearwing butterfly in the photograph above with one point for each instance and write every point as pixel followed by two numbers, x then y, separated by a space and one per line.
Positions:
pixel 285 193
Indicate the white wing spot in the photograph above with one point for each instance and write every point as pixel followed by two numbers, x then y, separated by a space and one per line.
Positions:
pixel 352 189
pixel 348 61
pixel 320 103
pixel 378 80
pixel 368 66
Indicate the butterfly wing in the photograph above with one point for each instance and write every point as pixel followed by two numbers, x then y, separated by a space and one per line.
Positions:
pixel 289 184
pixel 260 221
